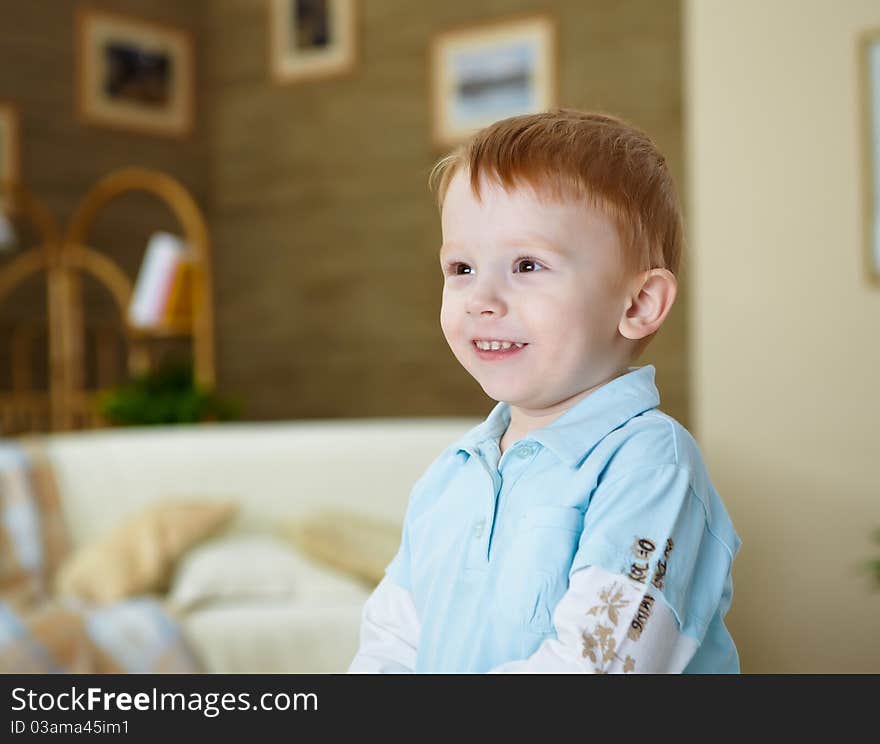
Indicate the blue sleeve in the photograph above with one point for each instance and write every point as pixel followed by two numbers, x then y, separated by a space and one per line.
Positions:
pixel 650 525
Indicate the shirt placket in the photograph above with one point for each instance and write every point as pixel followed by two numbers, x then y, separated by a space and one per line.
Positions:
pixel 500 481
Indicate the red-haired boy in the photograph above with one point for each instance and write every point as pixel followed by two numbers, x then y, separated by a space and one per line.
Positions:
pixel 576 529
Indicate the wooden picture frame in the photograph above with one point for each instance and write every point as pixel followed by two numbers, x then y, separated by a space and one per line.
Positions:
pixel 482 73
pixel 312 39
pixel 10 154
pixel 133 75
pixel 869 66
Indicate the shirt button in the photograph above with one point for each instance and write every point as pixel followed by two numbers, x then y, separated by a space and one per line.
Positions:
pixel 525 450
pixel 478 529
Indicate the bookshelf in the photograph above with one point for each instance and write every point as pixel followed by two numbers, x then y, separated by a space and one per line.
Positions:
pixel 65 256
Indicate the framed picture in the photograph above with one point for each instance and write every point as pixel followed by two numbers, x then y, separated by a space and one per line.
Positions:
pixel 869 62
pixel 480 74
pixel 9 153
pixel 133 74
pixel 312 39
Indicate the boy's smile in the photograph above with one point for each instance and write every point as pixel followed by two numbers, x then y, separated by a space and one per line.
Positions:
pixel 533 295
pixel 497 350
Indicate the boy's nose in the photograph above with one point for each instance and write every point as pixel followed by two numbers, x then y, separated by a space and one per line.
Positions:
pixel 485 297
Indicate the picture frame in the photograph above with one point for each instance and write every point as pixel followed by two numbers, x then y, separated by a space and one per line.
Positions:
pixel 133 74
pixel 482 73
pixel 10 153
pixel 312 39
pixel 869 66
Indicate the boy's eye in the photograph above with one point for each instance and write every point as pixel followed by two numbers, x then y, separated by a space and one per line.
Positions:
pixel 459 268
pixel 523 266
pixel 528 265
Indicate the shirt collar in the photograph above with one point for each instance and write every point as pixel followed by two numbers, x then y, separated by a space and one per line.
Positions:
pixel 574 434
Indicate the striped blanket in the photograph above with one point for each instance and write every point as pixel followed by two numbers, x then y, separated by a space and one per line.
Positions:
pixel 43 634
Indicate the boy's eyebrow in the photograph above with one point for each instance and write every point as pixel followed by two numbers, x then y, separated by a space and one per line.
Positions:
pixel 514 242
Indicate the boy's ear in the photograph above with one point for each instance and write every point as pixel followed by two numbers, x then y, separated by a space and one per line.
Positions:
pixel 648 303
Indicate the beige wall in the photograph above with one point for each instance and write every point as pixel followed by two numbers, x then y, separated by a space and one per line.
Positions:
pixel 784 326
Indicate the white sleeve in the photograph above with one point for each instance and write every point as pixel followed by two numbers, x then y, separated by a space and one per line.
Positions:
pixel 389 634
pixel 609 623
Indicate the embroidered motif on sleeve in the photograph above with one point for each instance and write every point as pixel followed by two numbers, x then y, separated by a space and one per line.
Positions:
pixel 599 644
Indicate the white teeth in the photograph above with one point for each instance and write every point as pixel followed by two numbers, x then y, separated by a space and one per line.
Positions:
pixel 496 345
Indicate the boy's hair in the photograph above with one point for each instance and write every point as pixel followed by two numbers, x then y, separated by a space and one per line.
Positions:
pixel 570 154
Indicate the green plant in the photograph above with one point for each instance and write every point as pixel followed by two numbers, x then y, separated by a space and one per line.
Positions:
pixel 167 395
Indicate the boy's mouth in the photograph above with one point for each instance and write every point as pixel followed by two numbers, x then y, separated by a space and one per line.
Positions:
pixel 496 349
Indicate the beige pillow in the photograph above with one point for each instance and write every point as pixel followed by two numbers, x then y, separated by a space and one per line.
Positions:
pixel 255 568
pixel 359 545
pixel 138 556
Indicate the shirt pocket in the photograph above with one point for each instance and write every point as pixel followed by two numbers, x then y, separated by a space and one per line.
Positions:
pixel 533 574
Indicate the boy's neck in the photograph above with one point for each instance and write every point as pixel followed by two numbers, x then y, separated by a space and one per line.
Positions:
pixel 523 421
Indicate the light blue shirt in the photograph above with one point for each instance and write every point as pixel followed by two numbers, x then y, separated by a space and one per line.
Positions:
pixel 490 541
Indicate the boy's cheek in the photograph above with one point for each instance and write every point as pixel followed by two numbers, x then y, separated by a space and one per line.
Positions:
pixel 447 320
pixel 448 333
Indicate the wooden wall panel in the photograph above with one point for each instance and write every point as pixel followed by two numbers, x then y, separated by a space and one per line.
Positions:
pixel 328 286
pixel 62 157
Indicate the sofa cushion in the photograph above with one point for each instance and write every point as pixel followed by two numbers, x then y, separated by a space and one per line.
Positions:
pixel 349 541
pixel 253 567
pixel 32 534
pixel 138 555
pixel 276 637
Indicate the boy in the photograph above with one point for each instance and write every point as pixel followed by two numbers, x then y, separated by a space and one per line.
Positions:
pixel 576 529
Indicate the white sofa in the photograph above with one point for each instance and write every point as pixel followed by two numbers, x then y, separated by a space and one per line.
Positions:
pixel 275 471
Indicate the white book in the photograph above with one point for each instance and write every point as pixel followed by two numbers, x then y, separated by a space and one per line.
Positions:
pixel 164 251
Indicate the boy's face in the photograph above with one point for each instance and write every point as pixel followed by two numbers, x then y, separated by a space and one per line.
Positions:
pixel 504 281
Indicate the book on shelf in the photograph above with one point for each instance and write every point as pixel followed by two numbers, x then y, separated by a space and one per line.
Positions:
pixel 163 290
pixel 178 304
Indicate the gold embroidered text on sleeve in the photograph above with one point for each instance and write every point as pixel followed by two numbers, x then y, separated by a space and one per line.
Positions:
pixel 638 570
pixel 660 570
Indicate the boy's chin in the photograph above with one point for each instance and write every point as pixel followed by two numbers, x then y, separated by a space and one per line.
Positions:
pixel 504 394
pixel 494 394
